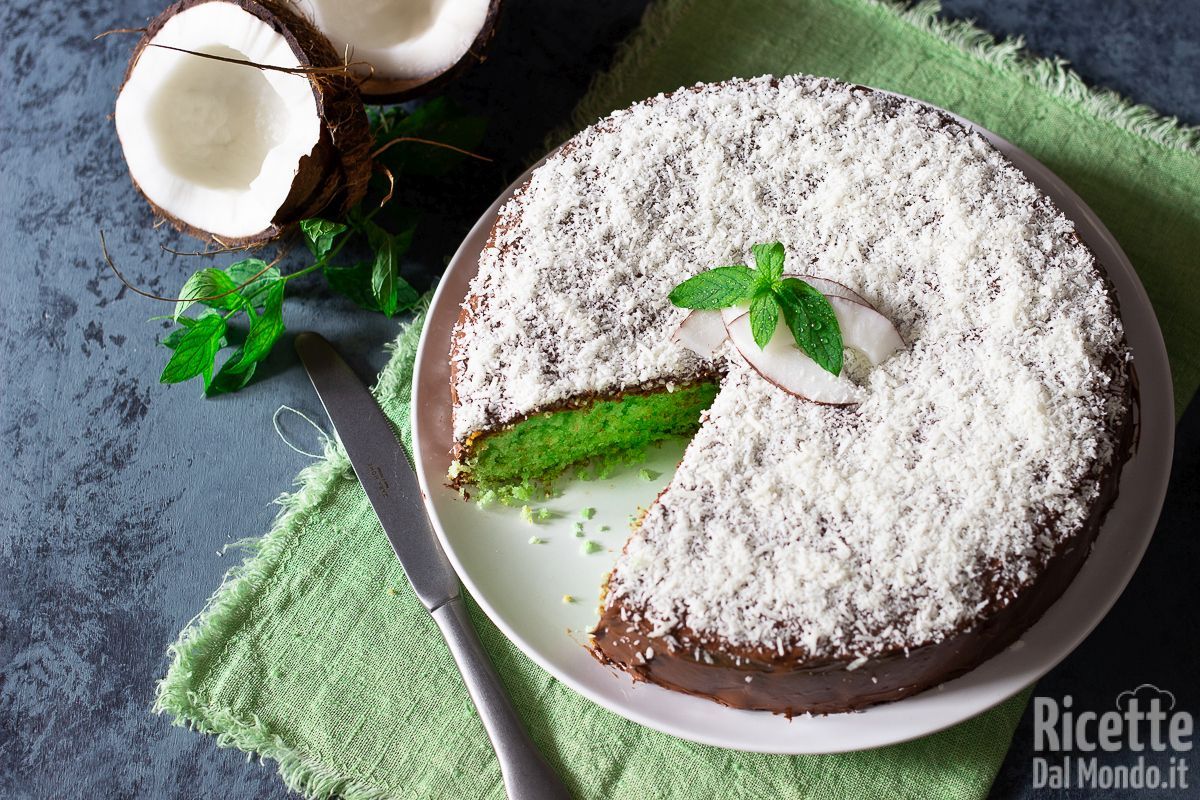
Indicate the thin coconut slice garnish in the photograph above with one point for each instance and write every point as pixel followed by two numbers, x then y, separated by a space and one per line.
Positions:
pixel 865 329
pixel 862 326
pixel 409 45
pixel 702 332
pixel 786 366
pixel 783 363
pixel 235 151
pixel 831 288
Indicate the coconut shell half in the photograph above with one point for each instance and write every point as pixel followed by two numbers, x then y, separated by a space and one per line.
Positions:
pixel 384 90
pixel 194 142
pixel 377 85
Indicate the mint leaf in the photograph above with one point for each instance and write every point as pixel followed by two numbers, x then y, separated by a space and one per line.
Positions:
pixel 717 288
pixel 812 322
pixel 195 351
pixel 387 287
pixel 174 337
pixel 353 282
pixel 234 374
pixel 265 330
pixel 384 271
pixel 768 260
pixel 241 271
pixel 319 234
pixel 406 296
pixel 208 283
pixel 764 316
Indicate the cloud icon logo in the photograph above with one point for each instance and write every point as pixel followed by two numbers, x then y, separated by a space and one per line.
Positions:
pixel 1144 694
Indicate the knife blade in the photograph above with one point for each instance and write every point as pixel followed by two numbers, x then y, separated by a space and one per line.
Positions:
pixel 392 489
pixel 383 469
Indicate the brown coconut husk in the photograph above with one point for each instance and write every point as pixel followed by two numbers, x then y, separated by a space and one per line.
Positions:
pixel 386 91
pixel 335 173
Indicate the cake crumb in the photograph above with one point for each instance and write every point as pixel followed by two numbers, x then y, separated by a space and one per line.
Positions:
pixel 568 598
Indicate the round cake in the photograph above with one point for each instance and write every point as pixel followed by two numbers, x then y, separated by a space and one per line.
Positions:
pixel 804 557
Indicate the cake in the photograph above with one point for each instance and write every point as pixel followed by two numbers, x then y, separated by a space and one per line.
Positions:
pixel 805 558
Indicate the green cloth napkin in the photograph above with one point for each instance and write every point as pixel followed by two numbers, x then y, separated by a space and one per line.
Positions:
pixel 315 653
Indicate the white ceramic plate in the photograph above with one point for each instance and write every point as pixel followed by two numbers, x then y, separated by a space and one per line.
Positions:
pixel 521 585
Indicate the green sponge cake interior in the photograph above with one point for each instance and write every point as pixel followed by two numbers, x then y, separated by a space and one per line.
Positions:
pixel 542 446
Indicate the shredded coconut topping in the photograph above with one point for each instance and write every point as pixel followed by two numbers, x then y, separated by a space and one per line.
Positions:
pixel 890 524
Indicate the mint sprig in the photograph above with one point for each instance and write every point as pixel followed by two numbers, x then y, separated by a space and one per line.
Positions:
pixel 227 295
pixel 231 319
pixel 244 302
pixel 806 312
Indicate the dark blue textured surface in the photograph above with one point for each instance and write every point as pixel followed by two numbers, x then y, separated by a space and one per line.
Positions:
pixel 120 493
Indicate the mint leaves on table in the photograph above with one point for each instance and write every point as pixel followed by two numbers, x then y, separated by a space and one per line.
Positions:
pixel 249 287
pixel 230 319
pixel 806 312
pixel 194 347
pixel 319 235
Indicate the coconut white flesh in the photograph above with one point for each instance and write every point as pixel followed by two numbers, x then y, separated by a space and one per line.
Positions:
pixel 783 363
pixel 400 39
pixel 865 329
pixel 862 327
pixel 702 332
pixel 213 144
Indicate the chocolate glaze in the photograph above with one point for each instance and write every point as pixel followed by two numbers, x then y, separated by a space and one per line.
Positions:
pixel 790 684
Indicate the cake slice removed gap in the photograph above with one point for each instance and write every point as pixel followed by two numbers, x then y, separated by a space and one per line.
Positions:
pixel 543 445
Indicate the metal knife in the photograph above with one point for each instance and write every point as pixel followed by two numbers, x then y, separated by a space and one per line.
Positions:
pixel 391 486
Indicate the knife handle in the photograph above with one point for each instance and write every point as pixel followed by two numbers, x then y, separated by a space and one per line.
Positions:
pixel 526 774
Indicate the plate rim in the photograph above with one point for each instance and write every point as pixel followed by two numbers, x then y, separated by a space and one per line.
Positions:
pixel 1156 429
